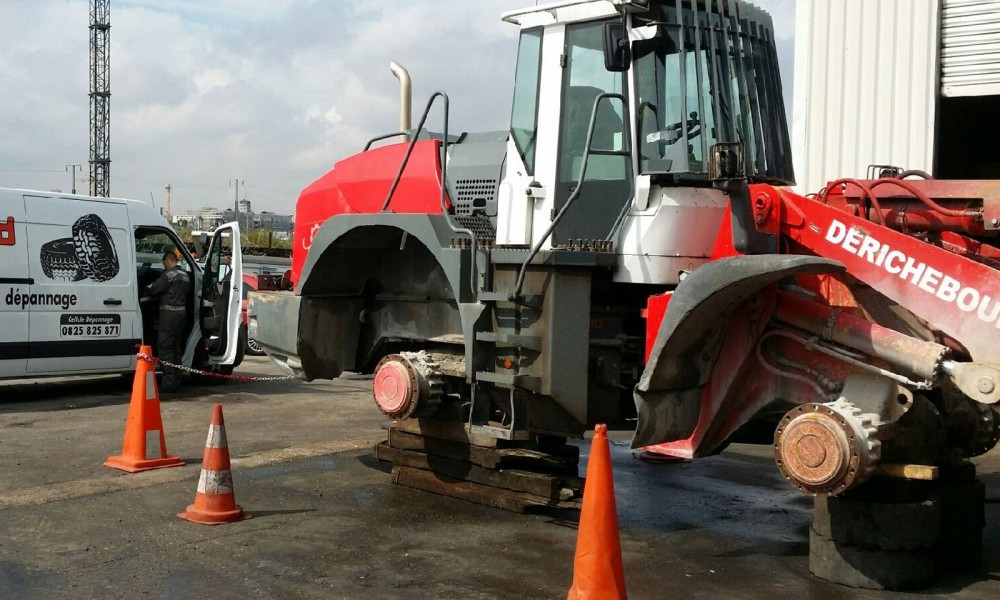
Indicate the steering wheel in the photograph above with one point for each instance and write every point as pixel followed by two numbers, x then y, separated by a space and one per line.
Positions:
pixel 693 124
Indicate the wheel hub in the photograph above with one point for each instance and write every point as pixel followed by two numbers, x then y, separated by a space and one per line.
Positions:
pixel 407 385
pixel 811 451
pixel 814 449
pixel 826 448
pixel 394 387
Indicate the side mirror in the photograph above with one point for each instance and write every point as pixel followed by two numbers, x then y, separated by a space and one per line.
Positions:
pixel 617 49
pixel 726 161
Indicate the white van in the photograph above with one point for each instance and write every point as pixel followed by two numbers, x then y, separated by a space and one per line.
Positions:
pixel 73 271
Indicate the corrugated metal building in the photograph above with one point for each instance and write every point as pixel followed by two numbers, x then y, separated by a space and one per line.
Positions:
pixel 909 83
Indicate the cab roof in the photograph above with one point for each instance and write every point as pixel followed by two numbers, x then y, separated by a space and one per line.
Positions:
pixel 567 10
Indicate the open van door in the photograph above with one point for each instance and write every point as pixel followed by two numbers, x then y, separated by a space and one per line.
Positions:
pixel 221 295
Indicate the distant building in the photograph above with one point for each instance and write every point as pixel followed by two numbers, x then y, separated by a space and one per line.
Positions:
pixel 245 220
pixel 205 219
pixel 274 222
pixel 209 218
pixel 263 220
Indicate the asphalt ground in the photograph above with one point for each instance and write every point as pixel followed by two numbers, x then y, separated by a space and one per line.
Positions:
pixel 327 523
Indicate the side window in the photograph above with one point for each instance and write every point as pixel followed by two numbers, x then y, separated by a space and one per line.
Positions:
pixel 524 116
pixel 150 246
pixel 585 80
pixel 219 263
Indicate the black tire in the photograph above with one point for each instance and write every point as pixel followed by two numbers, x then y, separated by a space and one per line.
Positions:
pixel 208 380
pixel 878 525
pixel 240 348
pixel 201 363
pixel 95 249
pixel 963 512
pixel 59 261
pixel 870 569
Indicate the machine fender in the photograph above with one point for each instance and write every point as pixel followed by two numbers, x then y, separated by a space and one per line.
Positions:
pixel 689 339
pixel 430 230
pixel 346 254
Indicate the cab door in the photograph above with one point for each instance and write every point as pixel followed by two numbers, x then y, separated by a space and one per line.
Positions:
pixel 221 295
pixel 83 297
pixel 15 284
pixel 607 187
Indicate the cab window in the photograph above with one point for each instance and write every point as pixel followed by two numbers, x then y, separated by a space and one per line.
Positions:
pixel 151 244
pixel 607 185
pixel 585 80
pixel 524 117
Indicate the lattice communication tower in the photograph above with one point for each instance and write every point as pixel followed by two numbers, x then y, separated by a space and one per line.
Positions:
pixel 100 98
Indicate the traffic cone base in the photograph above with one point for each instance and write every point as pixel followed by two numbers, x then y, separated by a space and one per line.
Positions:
pixel 144 425
pixel 196 515
pixel 131 465
pixel 215 501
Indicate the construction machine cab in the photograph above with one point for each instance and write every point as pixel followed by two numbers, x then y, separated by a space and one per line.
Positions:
pixel 695 73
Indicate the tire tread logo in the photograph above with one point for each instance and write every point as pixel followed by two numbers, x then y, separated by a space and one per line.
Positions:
pixel 59 261
pixel 89 254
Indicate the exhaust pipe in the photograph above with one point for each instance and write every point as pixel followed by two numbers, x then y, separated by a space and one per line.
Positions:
pixel 405 97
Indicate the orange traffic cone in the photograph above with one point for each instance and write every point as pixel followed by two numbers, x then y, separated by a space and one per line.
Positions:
pixel 144 427
pixel 597 569
pixel 215 502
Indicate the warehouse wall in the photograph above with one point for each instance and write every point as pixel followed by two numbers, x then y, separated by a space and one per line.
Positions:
pixel 866 80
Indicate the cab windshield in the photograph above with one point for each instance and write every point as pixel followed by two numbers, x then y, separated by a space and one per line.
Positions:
pixel 707 75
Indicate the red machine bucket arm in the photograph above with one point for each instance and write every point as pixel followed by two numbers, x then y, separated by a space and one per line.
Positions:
pixel 685 354
pixel 954 294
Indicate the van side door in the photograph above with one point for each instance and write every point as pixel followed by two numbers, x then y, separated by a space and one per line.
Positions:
pixel 83 300
pixel 151 243
pixel 14 285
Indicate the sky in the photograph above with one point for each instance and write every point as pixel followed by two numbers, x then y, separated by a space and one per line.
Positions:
pixel 269 92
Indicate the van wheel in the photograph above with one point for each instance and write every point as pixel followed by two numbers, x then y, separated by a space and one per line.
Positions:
pixel 201 363
pixel 208 380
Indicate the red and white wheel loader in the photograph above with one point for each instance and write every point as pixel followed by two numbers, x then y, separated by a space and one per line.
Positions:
pixel 629 253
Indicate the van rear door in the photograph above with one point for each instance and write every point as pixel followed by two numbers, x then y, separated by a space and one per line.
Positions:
pixel 14 285
pixel 222 295
pixel 83 300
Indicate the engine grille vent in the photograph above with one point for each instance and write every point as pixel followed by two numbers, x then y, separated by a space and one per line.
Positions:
pixel 481 226
pixel 472 195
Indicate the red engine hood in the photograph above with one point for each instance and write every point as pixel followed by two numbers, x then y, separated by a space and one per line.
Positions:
pixel 360 183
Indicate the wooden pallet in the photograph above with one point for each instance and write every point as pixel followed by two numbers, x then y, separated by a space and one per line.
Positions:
pixel 441 457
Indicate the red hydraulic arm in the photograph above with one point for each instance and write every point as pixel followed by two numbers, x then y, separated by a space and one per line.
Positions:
pixel 954 293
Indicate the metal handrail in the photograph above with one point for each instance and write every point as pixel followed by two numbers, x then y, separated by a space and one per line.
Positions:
pixel 444 181
pixel 379 138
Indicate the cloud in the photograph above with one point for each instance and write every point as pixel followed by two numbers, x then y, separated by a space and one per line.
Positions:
pixel 272 91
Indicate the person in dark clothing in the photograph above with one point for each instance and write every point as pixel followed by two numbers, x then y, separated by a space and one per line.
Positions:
pixel 172 289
